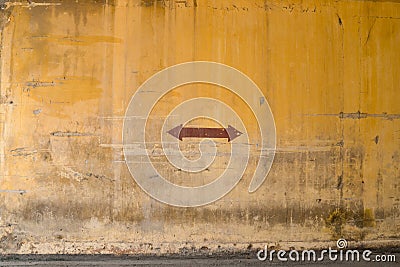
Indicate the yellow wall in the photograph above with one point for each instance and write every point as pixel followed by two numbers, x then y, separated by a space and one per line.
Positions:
pixel 328 69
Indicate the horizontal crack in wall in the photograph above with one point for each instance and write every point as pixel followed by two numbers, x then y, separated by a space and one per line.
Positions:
pixel 360 115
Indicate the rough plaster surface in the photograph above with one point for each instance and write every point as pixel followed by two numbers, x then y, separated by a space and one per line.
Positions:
pixel 329 70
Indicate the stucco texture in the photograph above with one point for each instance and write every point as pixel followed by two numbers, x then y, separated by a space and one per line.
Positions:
pixel 330 71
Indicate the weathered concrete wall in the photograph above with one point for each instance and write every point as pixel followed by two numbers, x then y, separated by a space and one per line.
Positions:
pixel 329 70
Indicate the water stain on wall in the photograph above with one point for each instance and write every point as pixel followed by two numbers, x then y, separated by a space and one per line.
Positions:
pixel 328 69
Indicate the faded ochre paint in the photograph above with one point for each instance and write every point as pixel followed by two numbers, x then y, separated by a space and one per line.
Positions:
pixel 66 90
pixel 329 70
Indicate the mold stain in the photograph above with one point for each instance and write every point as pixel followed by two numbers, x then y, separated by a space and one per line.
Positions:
pixel 335 222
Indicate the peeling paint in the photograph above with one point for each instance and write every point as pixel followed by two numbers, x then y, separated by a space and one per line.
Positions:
pixel 28 4
pixel 69 134
pixel 360 115
pixel 328 69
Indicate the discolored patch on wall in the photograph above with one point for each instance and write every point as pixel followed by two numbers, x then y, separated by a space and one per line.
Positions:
pixel 69 69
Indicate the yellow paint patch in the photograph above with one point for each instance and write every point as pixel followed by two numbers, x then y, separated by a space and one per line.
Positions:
pixel 81 40
pixel 70 90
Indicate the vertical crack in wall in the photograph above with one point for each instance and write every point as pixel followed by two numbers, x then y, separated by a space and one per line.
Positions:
pixel 341 86
pixel 4 79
